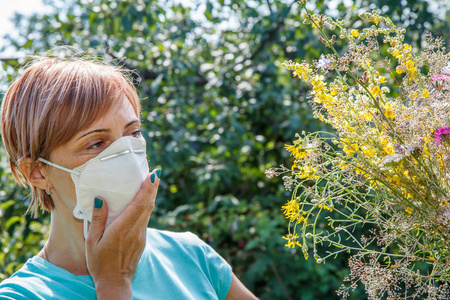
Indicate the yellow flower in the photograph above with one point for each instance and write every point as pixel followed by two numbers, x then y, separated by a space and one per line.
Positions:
pixel 397 54
pixel 355 33
pixel 389 149
pixel 294 165
pixel 360 170
pixel 317 83
pixel 425 150
pixel 376 91
pixel 296 151
pixel 292 240
pixel 324 98
pixel 334 89
pixel 409 210
pixel 425 93
pixel 325 207
pixel 290 207
pixel 307 172
pixel 389 110
pixel 348 127
pixel 409 64
pixel 407 47
pixel 302 71
pixel 376 19
pixel 350 149
pixel 365 116
pixel 368 151
pixel 291 211
pixel 382 79
pixel 399 69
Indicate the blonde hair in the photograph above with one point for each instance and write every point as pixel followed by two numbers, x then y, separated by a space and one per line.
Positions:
pixel 50 102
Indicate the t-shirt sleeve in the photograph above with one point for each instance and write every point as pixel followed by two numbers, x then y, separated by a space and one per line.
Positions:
pixel 12 291
pixel 217 268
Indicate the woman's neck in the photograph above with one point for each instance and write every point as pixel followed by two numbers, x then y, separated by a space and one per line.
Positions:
pixel 65 245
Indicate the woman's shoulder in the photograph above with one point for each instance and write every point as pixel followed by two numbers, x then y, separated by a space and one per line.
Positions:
pixel 169 241
pixel 182 246
pixel 39 279
pixel 185 237
pixel 23 283
pixel 198 268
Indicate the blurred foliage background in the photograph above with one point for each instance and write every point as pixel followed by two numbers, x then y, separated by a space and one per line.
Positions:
pixel 217 112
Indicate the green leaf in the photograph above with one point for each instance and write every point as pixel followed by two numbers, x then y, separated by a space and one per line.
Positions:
pixel 11 221
pixel 7 204
pixel 209 10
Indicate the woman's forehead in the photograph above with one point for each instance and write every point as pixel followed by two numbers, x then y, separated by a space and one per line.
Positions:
pixel 119 113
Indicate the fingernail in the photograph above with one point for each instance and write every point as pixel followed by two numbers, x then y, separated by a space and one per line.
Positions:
pixel 158 173
pixel 98 203
pixel 152 178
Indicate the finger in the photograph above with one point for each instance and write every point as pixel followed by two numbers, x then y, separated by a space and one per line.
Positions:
pixel 144 218
pixel 155 179
pixel 99 216
pixel 142 203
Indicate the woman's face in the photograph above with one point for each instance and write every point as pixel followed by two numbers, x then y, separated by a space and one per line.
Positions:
pixel 119 121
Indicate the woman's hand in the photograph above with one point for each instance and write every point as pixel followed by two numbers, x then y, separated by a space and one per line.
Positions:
pixel 112 254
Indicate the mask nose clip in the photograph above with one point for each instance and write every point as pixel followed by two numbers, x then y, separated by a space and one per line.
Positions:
pixel 126 151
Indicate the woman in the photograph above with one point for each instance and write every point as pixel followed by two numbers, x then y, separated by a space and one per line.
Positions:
pixel 72 131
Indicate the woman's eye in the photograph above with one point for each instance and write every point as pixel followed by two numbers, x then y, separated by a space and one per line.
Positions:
pixel 96 145
pixel 136 133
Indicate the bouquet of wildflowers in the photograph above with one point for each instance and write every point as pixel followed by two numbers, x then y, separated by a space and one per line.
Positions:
pixel 387 166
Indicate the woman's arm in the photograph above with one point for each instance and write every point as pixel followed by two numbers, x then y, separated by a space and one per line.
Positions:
pixel 238 291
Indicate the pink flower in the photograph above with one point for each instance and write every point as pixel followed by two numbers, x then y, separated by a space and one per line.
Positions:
pixel 438 81
pixel 440 134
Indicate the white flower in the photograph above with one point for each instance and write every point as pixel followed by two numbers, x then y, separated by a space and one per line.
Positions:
pixel 446 70
pixel 410 149
pixel 312 145
pixel 324 62
pixel 391 158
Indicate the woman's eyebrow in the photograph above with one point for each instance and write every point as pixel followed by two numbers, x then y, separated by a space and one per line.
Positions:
pixel 107 130
pixel 94 131
pixel 132 122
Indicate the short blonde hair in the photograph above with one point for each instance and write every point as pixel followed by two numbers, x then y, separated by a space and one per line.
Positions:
pixel 52 101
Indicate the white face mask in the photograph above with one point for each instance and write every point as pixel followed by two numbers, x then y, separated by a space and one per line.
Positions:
pixel 116 174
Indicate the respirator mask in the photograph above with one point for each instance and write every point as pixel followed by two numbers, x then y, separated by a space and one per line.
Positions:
pixel 116 174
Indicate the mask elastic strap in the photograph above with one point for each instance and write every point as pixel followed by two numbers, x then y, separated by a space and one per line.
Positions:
pixel 85 227
pixel 59 167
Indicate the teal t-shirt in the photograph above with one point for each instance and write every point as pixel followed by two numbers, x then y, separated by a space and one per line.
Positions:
pixel 173 266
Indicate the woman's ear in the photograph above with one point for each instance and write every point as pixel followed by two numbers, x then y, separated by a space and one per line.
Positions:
pixel 31 170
